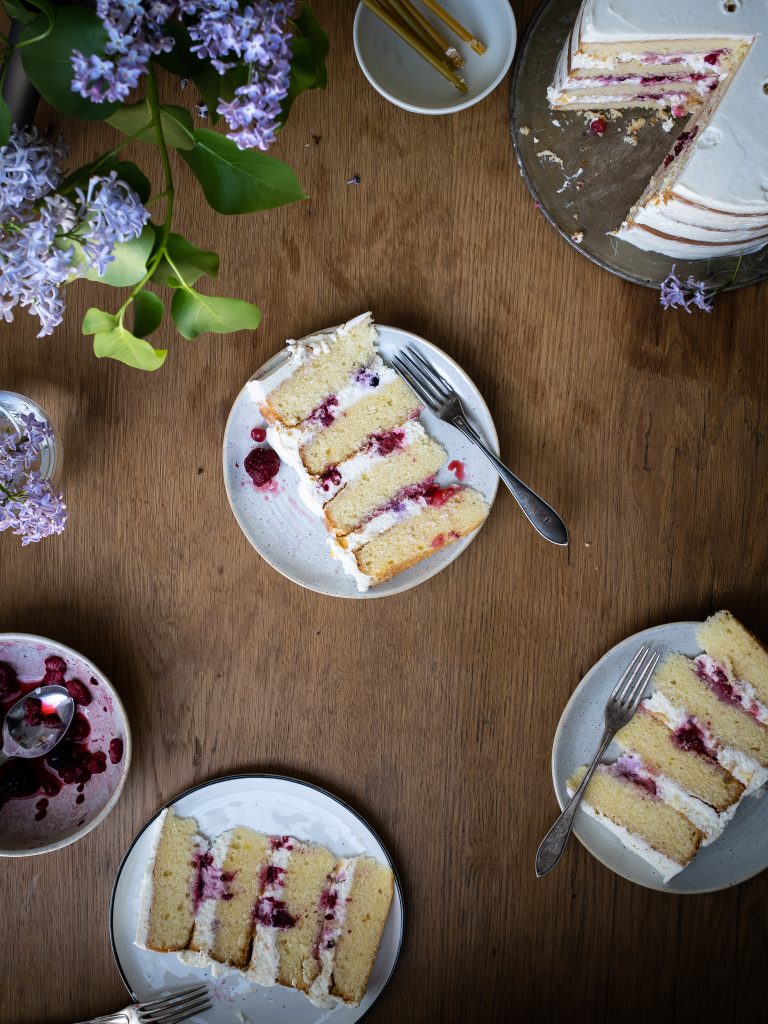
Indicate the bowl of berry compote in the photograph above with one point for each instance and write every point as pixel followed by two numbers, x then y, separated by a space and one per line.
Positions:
pixel 48 802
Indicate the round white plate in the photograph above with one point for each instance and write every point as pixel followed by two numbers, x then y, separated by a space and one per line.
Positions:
pixel 403 77
pixel 742 849
pixel 293 540
pixel 276 805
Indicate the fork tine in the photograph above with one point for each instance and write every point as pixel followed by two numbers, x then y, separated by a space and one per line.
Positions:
pixel 631 683
pixel 619 686
pixel 171 997
pixel 178 1012
pixel 414 385
pixel 434 376
pixel 636 695
pixel 423 379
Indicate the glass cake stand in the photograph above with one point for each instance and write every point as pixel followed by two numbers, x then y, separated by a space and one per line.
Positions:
pixel 584 183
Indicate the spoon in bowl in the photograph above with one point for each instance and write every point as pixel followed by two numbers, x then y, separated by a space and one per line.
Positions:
pixel 36 723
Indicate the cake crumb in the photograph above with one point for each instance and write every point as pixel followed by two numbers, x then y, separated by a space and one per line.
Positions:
pixel 615 115
pixel 524 130
pixel 550 157
pixel 633 129
pixel 630 140
pixel 667 124
pixel 577 237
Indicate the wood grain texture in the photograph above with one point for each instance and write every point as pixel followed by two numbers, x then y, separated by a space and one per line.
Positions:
pixel 432 712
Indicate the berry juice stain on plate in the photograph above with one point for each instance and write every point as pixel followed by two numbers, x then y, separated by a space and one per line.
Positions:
pixel 458 469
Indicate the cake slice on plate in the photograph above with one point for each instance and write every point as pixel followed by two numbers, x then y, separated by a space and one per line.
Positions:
pixel 349 427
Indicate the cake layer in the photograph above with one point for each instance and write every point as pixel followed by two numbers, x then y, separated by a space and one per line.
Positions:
pixel 379 412
pixel 416 537
pixel 688 766
pixel 169 898
pixel 636 808
pixel 677 680
pixel 375 489
pixel 725 639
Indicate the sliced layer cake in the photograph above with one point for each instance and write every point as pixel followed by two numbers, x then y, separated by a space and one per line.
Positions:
pixel 697 746
pixel 708 196
pixel 349 426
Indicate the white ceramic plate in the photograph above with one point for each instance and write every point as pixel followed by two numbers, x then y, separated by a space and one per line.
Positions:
pixel 268 803
pixel 403 77
pixel 293 540
pixel 742 849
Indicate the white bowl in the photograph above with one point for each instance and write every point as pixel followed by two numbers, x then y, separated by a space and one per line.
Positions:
pixel 403 77
pixel 45 821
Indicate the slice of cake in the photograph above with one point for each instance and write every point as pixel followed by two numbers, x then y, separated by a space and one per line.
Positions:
pixel 626 802
pixel 348 425
pixel 171 887
pixel 355 905
pixel 740 654
pixel 231 880
pixel 288 911
pixel 706 199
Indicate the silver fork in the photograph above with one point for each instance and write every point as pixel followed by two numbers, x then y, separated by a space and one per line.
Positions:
pixel 438 395
pixel 169 1009
pixel 619 709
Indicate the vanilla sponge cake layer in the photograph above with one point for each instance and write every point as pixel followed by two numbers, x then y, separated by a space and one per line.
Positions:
pixel 662 827
pixel 305 880
pixel 372 491
pixel 358 943
pixel 383 410
pixel 677 680
pixel 324 373
pixel 408 542
pixel 698 775
pixel 246 856
pixel 173 884
pixel 725 639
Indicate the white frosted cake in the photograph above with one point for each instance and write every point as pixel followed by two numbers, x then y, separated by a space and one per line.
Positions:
pixel 348 425
pixel 706 58
pixel 696 747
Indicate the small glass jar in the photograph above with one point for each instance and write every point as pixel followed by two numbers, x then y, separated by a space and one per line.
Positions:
pixel 12 407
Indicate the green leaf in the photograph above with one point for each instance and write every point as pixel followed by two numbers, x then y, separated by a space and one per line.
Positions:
pixel 148 312
pixel 5 122
pixel 96 320
pixel 179 61
pixel 194 314
pixel 126 171
pixel 48 62
pixel 130 262
pixel 212 86
pixel 309 48
pixel 118 343
pixel 192 263
pixel 240 181
pixel 135 119
pixel 15 9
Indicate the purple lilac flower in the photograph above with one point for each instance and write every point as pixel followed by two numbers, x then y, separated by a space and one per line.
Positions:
pixel 110 212
pixel 30 167
pixel 693 293
pixel 29 505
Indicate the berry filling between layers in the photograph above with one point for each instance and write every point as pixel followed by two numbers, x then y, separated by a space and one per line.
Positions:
pixel 271 914
pixel 737 693
pixel 407 502
pixel 377 447
pixel 210 882
pixel 634 770
pixel 333 908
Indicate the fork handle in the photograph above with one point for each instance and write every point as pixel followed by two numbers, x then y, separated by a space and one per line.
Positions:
pixel 552 845
pixel 539 514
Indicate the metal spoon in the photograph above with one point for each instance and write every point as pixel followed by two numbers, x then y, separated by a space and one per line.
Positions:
pixel 35 731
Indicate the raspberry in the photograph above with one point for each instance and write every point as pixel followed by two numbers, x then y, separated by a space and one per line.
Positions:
pixel 261 465
pixel 55 667
pixel 32 708
pixel 78 692
pixel 9 684
pixel 79 729
pixel 116 750
pixel 259 434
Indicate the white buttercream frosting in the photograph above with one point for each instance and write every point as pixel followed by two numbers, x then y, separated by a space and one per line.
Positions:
pixel 265 958
pixel 340 888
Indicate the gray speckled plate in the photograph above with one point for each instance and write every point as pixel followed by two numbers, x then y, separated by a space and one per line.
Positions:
pixel 293 540
pixel 279 806
pixel 742 849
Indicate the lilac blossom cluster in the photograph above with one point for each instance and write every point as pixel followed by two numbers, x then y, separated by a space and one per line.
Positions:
pixel 225 33
pixel 691 294
pixel 47 239
pixel 29 504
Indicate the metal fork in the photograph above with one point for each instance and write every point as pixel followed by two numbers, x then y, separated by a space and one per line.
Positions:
pixel 619 709
pixel 438 395
pixel 169 1009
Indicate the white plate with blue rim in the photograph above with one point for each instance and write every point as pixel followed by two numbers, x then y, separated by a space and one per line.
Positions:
pixel 738 854
pixel 294 540
pixel 277 805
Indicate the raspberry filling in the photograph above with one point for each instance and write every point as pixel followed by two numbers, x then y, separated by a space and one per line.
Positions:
pixel 631 769
pixel 679 145
pixel 689 736
pixel 210 883
pixel 325 413
pixel 367 377
pixel 272 913
pixel 261 465
pixel 385 444
pixel 458 469
pixel 716 678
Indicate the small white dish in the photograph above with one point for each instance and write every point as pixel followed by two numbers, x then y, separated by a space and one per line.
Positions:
pixel 738 854
pixel 279 806
pixel 60 812
pixel 293 540
pixel 403 77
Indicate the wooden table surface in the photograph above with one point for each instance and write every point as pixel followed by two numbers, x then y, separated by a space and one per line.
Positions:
pixel 432 712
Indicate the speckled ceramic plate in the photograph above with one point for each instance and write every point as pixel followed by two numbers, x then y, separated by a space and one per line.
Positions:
pixel 293 540
pixel 742 849
pixel 586 184
pixel 268 803
pixel 60 813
